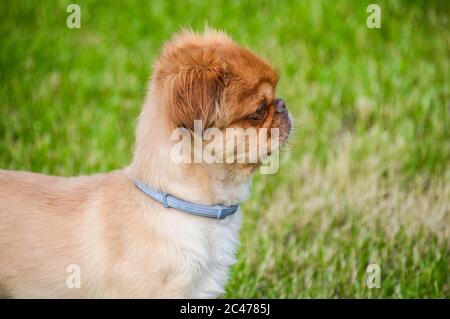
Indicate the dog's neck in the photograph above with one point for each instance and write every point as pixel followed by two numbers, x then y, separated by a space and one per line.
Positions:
pixel 201 183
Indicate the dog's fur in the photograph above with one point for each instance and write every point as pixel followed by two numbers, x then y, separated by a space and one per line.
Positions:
pixel 126 244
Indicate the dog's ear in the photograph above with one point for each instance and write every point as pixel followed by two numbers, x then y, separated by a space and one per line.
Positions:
pixel 192 82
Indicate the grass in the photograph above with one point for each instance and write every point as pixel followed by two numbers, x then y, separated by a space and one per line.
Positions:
pixel 366 176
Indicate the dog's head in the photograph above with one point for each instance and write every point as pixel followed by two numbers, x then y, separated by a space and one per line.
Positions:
pixel 209 78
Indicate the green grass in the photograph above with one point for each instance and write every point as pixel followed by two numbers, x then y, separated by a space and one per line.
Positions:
pixel 365 178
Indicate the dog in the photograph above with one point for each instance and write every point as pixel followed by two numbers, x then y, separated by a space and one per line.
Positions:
pixel 103 236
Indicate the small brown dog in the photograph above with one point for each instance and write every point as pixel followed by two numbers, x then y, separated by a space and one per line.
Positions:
pixel 100 236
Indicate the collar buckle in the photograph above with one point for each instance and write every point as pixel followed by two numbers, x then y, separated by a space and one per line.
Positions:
pixel 164 199
pixel 220 212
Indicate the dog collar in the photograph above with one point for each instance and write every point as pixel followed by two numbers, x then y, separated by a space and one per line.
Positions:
pixel 211 211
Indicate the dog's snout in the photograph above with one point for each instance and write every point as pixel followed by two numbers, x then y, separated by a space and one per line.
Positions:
pixel 280 106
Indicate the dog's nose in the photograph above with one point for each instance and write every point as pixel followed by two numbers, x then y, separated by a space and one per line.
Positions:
pixel 280 106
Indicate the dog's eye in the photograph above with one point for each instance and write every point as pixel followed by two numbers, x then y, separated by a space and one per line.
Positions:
pixel 260 112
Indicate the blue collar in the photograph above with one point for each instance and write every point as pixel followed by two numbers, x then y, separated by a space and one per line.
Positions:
pixel 214 211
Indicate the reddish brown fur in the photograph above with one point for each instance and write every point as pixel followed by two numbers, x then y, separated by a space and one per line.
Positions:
pixel 217 82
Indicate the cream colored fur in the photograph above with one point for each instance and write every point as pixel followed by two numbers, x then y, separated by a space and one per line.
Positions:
pixel 126 244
